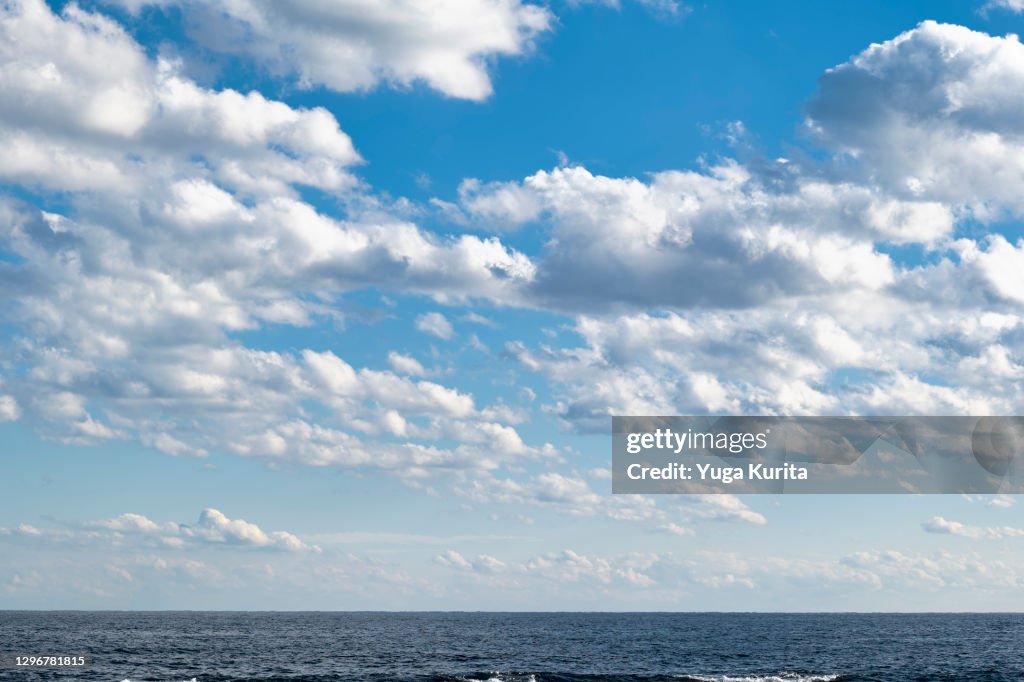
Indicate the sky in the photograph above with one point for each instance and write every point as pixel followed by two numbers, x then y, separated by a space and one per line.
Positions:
pixel 327 305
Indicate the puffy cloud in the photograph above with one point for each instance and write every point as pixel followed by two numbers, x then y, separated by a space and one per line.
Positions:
pixel 213 528
pixel 934 116
pixel 574 496
pixel 1001 501
pixel 779 290
pixel 942 526
pixel 435 324
pixel 552 489
pixel 453 558
pixel 112 332
pixel 683 238
pixel 87 109
pixel 1000 266
pixel 875 570
pixel 676 529
pixel 569 566
pixel 356 44
pixel 9 409
pixel 942 570
pixel 216 168
pixel 484 563
pixel 726 508
pixel 404 364
pixel 259 266
pixel 184 227
pixel 870 354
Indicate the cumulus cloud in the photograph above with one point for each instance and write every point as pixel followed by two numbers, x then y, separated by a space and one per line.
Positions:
pixel 1001 502
pixel 942 570
pixel 483 563
pixel 80 282
pixel 679 239
pixel 942 526
pixel 726 508
pixel 785 359
pixel 9 409
pixel 213 528
pixel 574 496
pixel 356 44
pixel 763 288
pixel 770 287
pixel 87 109
pixel 404 364
pixel 256 254
pixel 935 117
pixel 801 251
pixel 183 225
pixel 676 529
pixel 435 324
pixel 569 566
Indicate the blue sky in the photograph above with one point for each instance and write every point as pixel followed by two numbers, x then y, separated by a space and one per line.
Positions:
pixel 327 305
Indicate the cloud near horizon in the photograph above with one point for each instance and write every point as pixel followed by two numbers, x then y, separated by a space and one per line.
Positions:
pixel 130 530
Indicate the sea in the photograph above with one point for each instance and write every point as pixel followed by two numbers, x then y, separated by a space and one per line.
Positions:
pixel 516 647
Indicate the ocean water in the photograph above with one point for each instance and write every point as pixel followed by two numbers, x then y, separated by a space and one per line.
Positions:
pixel 519 647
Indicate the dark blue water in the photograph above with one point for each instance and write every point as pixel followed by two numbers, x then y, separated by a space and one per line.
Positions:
pixel 519 647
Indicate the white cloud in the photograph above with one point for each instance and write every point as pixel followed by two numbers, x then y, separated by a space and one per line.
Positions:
pixel 942 526
pixel 9 409
pixel 452 558
pixel 1001 501
pixel 665 8
pixel 935 116
pixel 726 508
pixel 678 240
pixel 784 358
pixel 1001 266
pixel 500 205
pixel 572 495
pixel 87 109
pixel 1016 6
pixel 355 44
pixel 569 566
pixel 575 497
pixel 185 224
pixel 213 528
pixel 801 246
pixel 483 563
pixel 939 571
pixel 404 364
pixel 435 324
pixel 190 229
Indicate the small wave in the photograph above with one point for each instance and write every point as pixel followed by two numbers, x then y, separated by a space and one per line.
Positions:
pixel 771 677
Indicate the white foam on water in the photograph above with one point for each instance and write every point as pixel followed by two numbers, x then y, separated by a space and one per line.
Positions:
pixel 500 677
pixel 772 677
pixel 512 678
